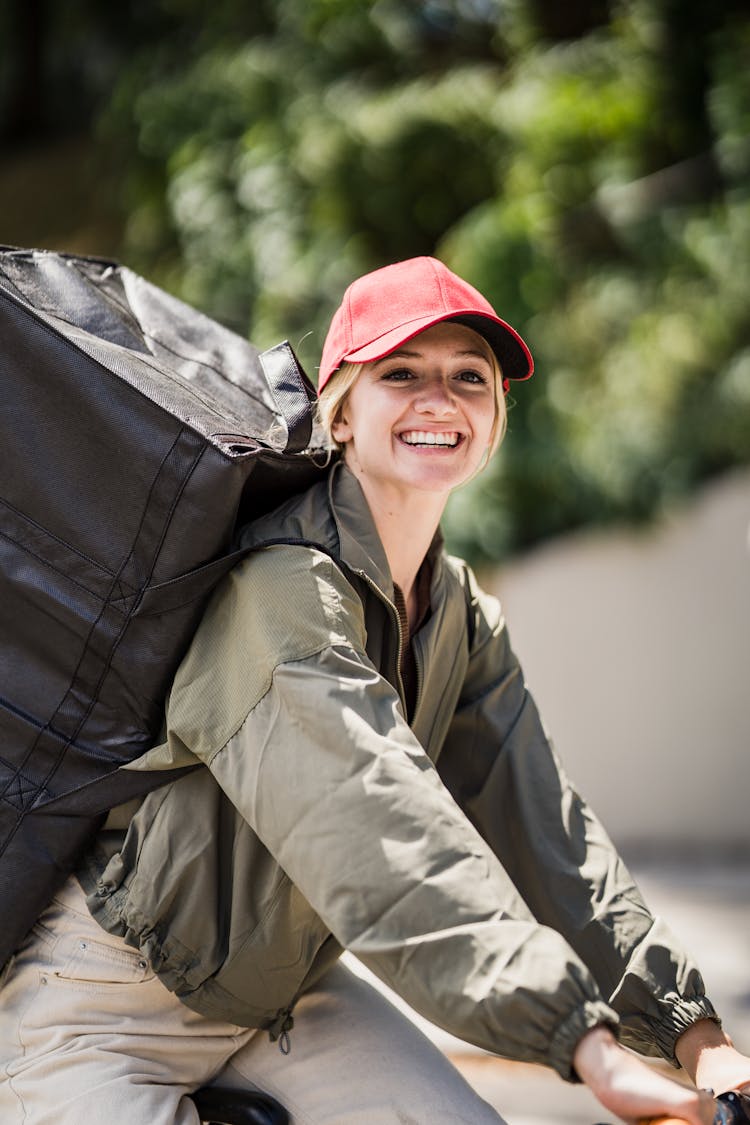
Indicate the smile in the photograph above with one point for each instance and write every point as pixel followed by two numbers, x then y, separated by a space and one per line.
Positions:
pixel 425 437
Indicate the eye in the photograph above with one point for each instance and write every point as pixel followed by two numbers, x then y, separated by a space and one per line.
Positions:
pixel 398 375
pixel 471 376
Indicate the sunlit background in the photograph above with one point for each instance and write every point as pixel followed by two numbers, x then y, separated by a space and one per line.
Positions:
pixel 585 164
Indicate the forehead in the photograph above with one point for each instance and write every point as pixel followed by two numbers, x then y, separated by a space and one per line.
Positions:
pixel 447 337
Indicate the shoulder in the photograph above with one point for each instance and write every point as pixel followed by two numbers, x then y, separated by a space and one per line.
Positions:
pixel 491 660
pixel 285 600
pixel 291 582
pixel 305 518
pixel 297 586
pixel 484 611
pixel 281 606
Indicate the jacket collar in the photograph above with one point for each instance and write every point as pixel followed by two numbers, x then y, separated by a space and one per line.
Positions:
pixel 360 547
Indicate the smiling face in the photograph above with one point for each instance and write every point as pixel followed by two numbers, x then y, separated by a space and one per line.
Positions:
pixel 423 417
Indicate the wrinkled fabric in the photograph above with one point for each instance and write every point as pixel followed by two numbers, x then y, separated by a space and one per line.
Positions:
pixel 451 855
pixel 89 1034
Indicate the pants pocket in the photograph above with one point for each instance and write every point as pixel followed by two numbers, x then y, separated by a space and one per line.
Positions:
pixel 85 960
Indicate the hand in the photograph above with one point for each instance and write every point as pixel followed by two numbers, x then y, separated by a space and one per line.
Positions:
pixel 710 1058
pixel 631 1089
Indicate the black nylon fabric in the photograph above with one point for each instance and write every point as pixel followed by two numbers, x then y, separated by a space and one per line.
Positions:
pixel 135 434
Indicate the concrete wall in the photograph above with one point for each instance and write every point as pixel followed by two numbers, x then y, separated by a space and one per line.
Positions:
pixel 636 646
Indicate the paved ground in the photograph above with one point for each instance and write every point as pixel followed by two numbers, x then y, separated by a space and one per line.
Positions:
pixel 708 905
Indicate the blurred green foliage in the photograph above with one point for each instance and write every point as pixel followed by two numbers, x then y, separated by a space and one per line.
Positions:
pixel 585 165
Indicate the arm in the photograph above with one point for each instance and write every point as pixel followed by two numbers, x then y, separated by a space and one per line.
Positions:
pixel 624 1085
pixel 322 765
pixel 629 1088
pixel 710 1058
pixel 499 765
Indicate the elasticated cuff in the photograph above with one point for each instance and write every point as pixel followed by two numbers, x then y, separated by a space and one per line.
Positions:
pixel 594 1013
pixel 667 1031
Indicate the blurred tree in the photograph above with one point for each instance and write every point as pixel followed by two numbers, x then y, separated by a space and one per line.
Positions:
pixel 586 165
pixel 643 345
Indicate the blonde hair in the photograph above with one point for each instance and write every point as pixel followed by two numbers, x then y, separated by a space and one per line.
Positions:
pixel 332 400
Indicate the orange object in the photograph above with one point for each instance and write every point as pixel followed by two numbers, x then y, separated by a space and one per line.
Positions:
pixel 661 1121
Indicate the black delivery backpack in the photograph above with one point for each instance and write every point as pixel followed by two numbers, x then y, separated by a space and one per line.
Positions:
pixel 135 435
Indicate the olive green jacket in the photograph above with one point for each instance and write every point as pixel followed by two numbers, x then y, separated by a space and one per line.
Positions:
pixel 452 856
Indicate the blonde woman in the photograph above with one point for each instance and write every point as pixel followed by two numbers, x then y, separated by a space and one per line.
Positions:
pixel 373 775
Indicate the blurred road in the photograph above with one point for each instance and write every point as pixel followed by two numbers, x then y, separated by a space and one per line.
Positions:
pixel 707 904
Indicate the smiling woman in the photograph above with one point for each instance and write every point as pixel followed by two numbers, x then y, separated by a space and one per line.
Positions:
pixel 372 775
pixel 436 399
pixel 411 390
pixel 413 426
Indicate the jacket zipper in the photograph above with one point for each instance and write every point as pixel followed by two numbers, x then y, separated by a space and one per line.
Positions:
pixel 399 648
pixel 420 677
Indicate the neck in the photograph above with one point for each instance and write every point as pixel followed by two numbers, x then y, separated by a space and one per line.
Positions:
pixel 406 525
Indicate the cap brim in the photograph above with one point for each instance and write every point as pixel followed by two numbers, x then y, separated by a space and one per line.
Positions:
pixel 514 357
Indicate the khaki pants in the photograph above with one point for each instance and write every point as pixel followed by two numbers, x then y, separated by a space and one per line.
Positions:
pixel 89 1036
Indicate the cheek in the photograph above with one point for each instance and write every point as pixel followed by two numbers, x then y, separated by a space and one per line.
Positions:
pixel 487 425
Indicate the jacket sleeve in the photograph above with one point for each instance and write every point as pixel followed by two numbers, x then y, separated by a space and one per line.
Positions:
pixel 320 762
pixel 500 767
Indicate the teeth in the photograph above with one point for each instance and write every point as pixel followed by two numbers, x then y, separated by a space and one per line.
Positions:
pixel 424 437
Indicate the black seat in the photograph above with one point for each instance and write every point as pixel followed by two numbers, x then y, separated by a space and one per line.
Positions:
pixel 238 1107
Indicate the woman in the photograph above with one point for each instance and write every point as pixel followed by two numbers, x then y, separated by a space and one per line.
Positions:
pixel 373 775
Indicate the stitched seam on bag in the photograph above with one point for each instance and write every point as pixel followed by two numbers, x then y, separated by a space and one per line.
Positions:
pixel 65 574
pixel 116 643
pixel 19 787
pixel 123 305
pixel 56 538
pixel 149 360
pixel 39 315
pixel 82 720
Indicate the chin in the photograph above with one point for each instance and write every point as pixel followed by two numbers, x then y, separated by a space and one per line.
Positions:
pixel 441 482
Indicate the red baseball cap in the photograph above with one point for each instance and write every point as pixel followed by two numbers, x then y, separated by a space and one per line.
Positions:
pixel 389 306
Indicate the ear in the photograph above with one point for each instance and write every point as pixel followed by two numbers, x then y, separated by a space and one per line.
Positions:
pixel 341 430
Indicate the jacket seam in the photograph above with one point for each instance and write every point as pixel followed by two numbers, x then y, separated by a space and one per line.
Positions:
pixel 296 659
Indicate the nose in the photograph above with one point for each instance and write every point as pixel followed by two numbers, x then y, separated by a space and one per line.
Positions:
pixel 435 398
